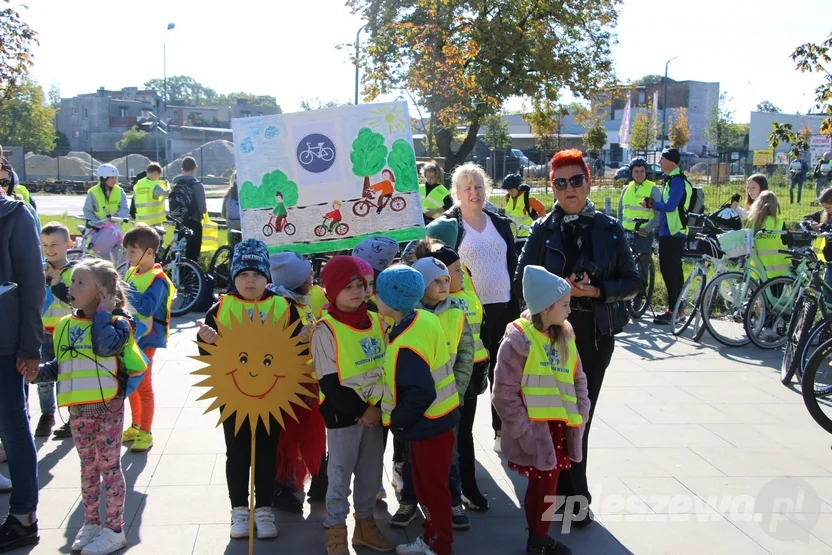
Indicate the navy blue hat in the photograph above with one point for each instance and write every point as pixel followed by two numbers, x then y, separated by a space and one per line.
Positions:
pixel 251 254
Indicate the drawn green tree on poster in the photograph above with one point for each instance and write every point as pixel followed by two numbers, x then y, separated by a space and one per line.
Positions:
pixel 402 161
pixel 369 154
pixel 252 197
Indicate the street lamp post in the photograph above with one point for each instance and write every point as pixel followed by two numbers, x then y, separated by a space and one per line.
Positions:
pixel 357 46
pixel 664 102
pixel 170 27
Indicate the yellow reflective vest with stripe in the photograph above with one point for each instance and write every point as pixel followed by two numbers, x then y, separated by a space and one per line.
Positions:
pixel 106 206
pixel 674 221
pixel 83 376
pixel 433 200
pixel 57 309
pixel 516 212
pixel 470 303
pixel 210 234
pixel 453 325
pixel 767 244
pixel 233 308
pixel 424 336
pixel 141 282
pixel 149 210
pixel 630 207
pixel 548 384
pixel 359 357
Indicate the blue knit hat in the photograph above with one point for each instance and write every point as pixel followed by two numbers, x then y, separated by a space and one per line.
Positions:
pixel 400 287
pixel 541 289
pixel 250 254
pixel 445 230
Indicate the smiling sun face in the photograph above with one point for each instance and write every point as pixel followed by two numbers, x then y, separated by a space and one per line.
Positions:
pixel 256 369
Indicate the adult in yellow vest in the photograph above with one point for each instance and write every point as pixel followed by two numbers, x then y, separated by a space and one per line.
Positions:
pixel 107 198
pixel 434 195
pixel 672 210
pixel 540 391
pixel 765 216
pixel 149 195
pixel 521 208
pixel 629 205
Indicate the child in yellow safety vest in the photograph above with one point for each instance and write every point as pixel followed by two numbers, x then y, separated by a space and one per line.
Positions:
pixel 151 296
pixel 765 216
pixel 301 451
pixel 250 276
pixel 540 392
pixel 420 403
pixel 97 364
pixel 348 352
pixel 54 242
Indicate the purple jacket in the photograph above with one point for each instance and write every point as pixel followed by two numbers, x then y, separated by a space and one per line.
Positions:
pixel 525 442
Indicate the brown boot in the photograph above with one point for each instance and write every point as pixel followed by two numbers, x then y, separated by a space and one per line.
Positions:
pixel 367 534
pixel 336 540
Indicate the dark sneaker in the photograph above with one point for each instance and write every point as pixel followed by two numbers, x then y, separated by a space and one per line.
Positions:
pixel 13 534
pixel 404 516
pixel 585 521
pixel 663 319
pixel 317 488
pixel 285 500
pixel 546 545
pixel 459 520
pixel 475 500
pixel 63 432
pixel 45 425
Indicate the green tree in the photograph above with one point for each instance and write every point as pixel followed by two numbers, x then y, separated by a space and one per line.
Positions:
pixel 307 104
pixel 402 161
pixel 650 79
pixel 496 132
pixel 54 96
pixel 642 131
pixel 182 88
pixel 462 60
pixel 595 136
pixel 811 58
pixel 252 100
pixel 369 154
pixel 766 106
pixel 196 119
pixel 679 129
pixel 264 196
pixel 61 144
pixel 25 120
pixel 546 122
pixel 16 42
pixel 720 130
pixel 132 140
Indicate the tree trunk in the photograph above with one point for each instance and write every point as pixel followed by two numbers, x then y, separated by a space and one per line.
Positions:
pixel 366 191
pixel 444 140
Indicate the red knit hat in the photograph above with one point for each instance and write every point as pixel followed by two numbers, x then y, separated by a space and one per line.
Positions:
pixel 338 272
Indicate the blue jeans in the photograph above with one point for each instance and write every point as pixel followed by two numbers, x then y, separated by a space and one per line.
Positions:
pixel 454 484
pixel 17 439
pixel 46 391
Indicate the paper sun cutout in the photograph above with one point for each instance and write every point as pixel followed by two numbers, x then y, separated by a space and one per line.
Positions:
pixel 256 368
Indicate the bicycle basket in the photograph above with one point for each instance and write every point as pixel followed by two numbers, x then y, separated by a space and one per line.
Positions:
pixel 702 246
pixel 736 244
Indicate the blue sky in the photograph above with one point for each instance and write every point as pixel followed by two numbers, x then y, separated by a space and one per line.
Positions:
pixel 286 48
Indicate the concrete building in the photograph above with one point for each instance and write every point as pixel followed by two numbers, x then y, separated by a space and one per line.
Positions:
pixel 760 127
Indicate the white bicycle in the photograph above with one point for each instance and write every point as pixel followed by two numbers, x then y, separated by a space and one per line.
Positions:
pixel 323 152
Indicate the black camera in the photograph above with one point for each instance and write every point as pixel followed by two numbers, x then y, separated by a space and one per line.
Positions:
pixel 583 267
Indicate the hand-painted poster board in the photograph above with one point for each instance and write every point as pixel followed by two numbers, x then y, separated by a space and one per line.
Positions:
pixel 324 180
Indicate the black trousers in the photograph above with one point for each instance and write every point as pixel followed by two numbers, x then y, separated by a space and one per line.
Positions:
pixel 194 241
pixel 238 462
pixel 465 444
pixel 497 317
pixel 670 264
pixel 595 353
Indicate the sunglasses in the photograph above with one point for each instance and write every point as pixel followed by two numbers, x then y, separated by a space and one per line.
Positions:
pixel 5 182
pixel 561 183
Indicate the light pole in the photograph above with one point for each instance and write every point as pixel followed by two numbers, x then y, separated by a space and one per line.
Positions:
pixel 664 102
pixel 357 46
pixel 171 26
pixel 750 84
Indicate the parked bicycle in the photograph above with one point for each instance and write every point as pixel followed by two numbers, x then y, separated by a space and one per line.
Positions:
pixel 705 249
pixel 642 247
pixel 187 277
pixel 220 267
pixel 101 239
pixel 816 385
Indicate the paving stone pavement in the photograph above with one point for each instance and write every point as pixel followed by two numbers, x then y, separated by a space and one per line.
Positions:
pixel 695 449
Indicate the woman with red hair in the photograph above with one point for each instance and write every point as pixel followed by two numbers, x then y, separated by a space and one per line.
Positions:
pixel 589 249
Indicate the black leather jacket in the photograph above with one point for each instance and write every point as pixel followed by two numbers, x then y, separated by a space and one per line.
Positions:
pixel 617 275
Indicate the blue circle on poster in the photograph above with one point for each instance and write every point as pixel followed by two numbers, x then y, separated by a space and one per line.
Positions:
pixel 316 153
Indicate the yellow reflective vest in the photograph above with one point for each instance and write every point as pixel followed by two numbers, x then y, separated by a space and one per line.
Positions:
pixel 424 336
pixel 470 303
pixel 233 308
pixel 210 234
pixel 433 200
pixel 149 210
pixel 106 206
pixel 359 356
pixel 83 376
pixel 674 221
pixel 453 325
pixel 630 207
pixel 57 309
pixel 516 212
pixel 24 193
pixel 767 244
pixel 317 298
pixel 141 282
pixel 548 384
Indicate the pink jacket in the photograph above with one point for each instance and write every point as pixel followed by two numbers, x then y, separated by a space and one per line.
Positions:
pixel 525 442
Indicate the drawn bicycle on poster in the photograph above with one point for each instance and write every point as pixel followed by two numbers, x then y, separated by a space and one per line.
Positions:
pixel 339 228
pixel 323 152
pixel 274 225
pixel 362 207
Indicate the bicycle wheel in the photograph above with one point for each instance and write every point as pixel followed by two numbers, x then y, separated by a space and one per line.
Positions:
pixel 769 311
pixel 397 204
pixel 820 333
pixel 320 231
pixel 638 305
pixel 817 386
pixel 189 281
pixel 342 229
pixel 268 230
pixel 687 305
pixel 305 157
pixel 798 332
pixel 289 229
pixel 220 268
pixel 723 308
pixel 361 208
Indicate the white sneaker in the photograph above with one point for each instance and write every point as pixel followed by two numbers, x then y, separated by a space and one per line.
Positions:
pixel 396 480
pixel 2 453
pixel 239 522
pixel 5 484
pixel 498 444
pixel 263 522
pixel 415 548
pixel 105 542
pixel 85 536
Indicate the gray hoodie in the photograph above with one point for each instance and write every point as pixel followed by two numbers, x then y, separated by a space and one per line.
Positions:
pixel 20 263
pixel 464 364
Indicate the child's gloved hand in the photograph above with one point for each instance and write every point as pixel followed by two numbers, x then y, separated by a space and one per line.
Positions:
pixel 206 333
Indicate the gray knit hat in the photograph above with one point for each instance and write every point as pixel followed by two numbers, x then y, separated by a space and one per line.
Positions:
pixel 541 288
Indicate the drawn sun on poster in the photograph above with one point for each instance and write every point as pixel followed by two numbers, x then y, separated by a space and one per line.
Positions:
pixel 389 118
pixel 255 369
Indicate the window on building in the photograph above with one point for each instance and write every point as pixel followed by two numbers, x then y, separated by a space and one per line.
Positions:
pixel 86 114
pixel 76 134
pixel 75 111
pixel 122 112
pixel 641 98
pixel 86 136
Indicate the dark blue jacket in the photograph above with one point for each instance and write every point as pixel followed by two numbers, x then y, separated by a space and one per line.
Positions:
pixel 415 392
pixel 153 302
pixel 677 191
